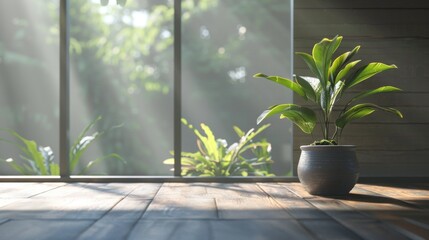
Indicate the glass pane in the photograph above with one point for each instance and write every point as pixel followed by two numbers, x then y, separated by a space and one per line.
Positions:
pixel 225 42
pixel 121 86
pixel 29 87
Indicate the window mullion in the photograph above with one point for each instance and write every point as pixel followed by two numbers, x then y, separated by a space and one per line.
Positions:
pixel 177 87
pixel 64 90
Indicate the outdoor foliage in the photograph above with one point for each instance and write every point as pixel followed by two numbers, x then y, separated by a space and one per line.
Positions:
pixel 333 76
pixel 215 158
pixel 39 160
pixel 121 55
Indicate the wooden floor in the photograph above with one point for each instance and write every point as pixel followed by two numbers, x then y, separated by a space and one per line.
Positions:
pixel 218 211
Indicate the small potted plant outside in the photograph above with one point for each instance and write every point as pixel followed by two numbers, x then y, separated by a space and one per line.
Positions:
pixel 325 167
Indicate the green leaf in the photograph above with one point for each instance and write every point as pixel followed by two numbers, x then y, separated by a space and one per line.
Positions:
pixel 33 153
pixel 248 138
pixel 210 142
pixel 189 154
pixel 360 111
pixel 81 145
pixel 303 117
pixel 259 130
pixel 308 89
pixel 239 132
pixel 169 161
pixel 197 133
pixel 255 145
pixel 339 86
pixel 283 81
pixel 308 59
pixel 324 100
pixel 55 169
pixel 76 151
pixel 366 72
pixel 187 161
pixel 384 89
pixel 343 73
pixel 322 55
pixel 340 61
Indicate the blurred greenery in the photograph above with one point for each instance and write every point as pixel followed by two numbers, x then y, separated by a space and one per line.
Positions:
pixel 39 160
pixel 122 67
pixel 215 158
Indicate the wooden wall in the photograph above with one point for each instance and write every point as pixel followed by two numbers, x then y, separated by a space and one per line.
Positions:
pixel 389 31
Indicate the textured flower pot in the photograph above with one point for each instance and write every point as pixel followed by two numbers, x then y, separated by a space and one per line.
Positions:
pixel 328 169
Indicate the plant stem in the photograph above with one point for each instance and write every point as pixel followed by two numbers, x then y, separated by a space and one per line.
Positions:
pixel 326 130
pixel 339 115
pixel 320 121
pixel 335 134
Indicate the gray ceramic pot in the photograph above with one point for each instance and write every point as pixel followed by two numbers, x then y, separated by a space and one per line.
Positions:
pixel 328 169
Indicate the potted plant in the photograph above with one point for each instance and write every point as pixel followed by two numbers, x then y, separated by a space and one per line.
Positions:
pixel 325 167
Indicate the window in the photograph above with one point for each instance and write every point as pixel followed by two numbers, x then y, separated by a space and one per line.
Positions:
pixel 29 87
pixel 122 72
pixel 124 92
pixel 223 45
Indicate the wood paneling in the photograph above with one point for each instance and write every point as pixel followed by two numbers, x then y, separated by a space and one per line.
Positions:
pixel 362 16
pixel 393 32
pixel 361 4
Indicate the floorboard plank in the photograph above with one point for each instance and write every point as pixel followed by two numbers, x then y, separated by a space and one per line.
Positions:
pixel 301 209
pixel 181 208
pixel 171 229
pixel 259 229
pixel 187 190
pixel 43 229
pixel 235 190
pixel 276 190
pixel 328 229
pixel 108 230
pixel 376 205
pixel 71 189
pixel 145 190
pixel 58 208
pixel 297 207
pixel 357 222
pixel 369 229
pixel 25 190
pixel 119 221
pixel 92 190
pixel 7 201
pixel 297 189
pixel 418 197
pixel 409 229
pixel 128 208
pixel 250 208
